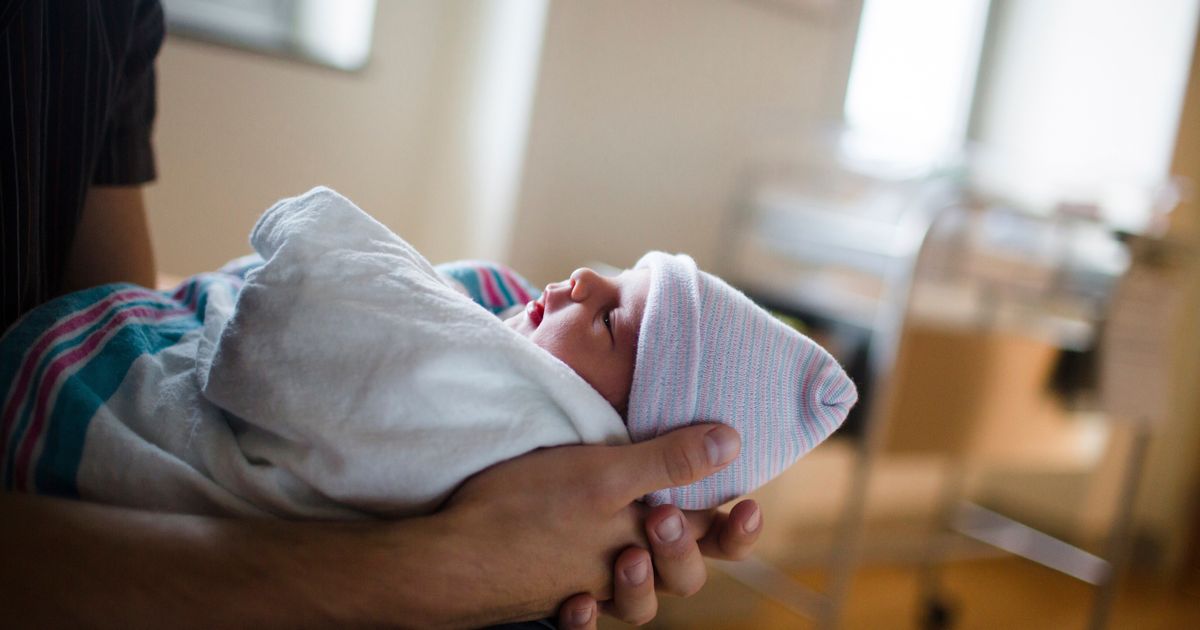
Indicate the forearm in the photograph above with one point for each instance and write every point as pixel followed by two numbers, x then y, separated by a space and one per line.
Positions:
pixel 69 563
pixel 512 543
pixel 112 240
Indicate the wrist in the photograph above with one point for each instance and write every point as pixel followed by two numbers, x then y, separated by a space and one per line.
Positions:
pixel 380 573
pixel 402 573
pixel 482 573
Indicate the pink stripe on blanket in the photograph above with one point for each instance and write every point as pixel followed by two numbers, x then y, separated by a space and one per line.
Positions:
pixel 519 291
pixel 35 354
pixel 489 286
pixel 50 381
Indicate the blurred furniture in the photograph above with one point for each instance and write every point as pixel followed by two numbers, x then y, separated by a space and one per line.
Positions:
pixel 837 248
pixel 976 292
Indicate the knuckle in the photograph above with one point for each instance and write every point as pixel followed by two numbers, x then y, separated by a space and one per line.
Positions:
pixel 604 488
pixel 691 588
pixel 596 491
pixel 684 587
pixel 686 577
pixel 681 464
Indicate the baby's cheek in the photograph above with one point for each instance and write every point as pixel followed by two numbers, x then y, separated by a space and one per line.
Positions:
pixel 559 349
pixel 606 374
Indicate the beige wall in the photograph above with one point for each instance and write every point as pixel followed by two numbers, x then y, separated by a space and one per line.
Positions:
pixel 236 131
pixel 644 117
pixel 1170 492
pixel 647 113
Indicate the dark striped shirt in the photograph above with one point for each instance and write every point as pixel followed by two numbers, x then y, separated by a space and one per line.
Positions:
pixel 77 78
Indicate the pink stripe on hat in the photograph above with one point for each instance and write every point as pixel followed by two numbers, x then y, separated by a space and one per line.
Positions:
pixel 707 353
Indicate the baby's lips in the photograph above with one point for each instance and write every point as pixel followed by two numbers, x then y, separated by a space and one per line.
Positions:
pixel 534 310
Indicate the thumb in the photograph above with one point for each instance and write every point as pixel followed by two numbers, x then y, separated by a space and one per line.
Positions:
pixel 678 458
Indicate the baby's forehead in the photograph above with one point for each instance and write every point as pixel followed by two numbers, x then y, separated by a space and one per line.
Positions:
pixel 635 291
pixel 636 288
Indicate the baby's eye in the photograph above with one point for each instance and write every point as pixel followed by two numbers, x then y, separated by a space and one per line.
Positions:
pixel 606 322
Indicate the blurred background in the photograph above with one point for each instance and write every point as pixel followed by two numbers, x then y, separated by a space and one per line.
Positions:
pixel 984 208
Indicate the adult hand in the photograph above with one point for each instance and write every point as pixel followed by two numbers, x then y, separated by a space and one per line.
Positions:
pixel 677 540
pixel 540 527
pixel 513 543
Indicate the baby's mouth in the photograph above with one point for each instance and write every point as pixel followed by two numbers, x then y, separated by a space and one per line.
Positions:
pixel 535 310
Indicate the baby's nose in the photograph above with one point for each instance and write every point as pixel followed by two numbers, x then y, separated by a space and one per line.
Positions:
pixel 582 280
pixel 567 284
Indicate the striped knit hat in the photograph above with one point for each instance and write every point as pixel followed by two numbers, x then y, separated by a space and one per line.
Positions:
pixel 707 353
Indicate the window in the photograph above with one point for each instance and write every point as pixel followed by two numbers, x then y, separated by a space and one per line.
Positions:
pixel 912 79
pixel 1080 105
pixel 336 33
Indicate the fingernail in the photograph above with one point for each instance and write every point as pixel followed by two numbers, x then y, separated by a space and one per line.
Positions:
pixel 754 522
pixel 721 446
pixel 637 573
pixel 581 616
pixel 670 529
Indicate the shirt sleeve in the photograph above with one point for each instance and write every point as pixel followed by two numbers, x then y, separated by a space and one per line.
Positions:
pixel 127 155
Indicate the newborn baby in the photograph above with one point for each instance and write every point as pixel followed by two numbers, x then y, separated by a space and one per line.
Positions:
pixel 348 378
pixel 669 345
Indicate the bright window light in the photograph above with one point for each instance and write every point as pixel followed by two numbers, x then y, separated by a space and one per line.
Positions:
pixel 335 33
pixel 1083 105
pixel 912 77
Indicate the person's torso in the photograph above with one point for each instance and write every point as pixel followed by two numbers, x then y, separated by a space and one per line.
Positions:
pixel 64 78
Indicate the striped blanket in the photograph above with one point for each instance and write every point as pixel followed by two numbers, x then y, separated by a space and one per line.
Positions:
pixel 62 365
pixel 63 360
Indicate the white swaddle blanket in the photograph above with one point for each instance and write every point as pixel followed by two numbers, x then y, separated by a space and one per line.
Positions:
pixel 353 379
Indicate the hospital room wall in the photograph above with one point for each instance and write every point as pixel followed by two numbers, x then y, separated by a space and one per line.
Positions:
pixel 1170 494
pixel 238 130
pixel 648 114
pixel 644 115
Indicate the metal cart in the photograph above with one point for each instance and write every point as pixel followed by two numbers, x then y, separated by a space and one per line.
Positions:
pixel 843 246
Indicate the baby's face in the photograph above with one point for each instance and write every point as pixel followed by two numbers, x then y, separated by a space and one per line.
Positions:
pixel 591 323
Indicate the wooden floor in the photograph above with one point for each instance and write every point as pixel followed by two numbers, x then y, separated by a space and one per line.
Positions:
pixel 987 594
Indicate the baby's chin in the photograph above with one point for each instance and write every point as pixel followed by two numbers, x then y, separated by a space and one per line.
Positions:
pixel 520 323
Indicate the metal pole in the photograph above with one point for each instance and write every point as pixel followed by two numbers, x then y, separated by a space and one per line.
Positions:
pixel 1119 538
pixel 937 546
pixel 848 541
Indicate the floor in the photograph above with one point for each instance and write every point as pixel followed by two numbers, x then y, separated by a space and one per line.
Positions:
pixel 992 593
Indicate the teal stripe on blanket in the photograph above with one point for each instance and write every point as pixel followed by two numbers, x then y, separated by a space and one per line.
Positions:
pixel 90 387
pixel 470 280
pixel 509 300
pixel 58 467
pixel 468 274
pixel 21 337
pixel 30 330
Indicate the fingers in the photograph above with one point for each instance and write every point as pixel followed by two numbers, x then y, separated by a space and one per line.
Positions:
pixel 732 536
pixel 578 613
pixel 634 600
pixel 700 521
pixel 675 459
pixel 677 558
